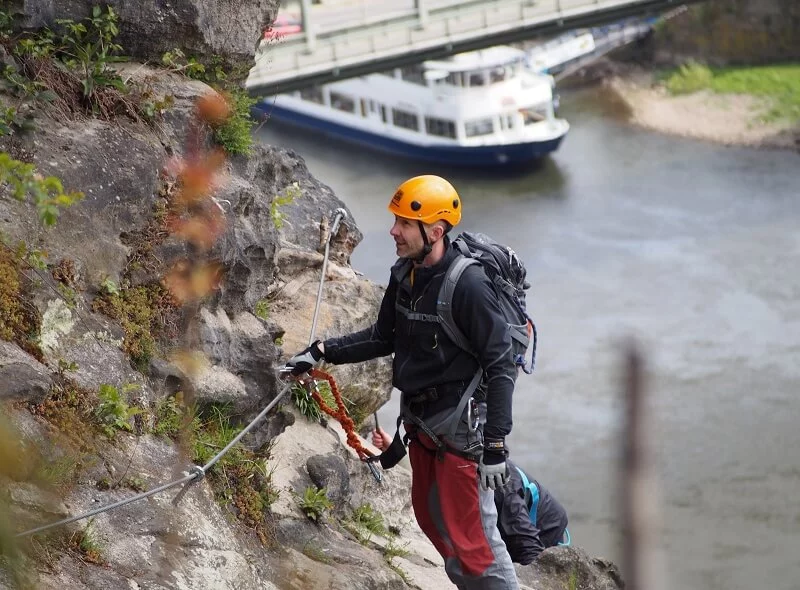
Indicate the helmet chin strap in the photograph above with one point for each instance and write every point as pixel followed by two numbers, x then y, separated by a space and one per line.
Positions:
pixel 426 248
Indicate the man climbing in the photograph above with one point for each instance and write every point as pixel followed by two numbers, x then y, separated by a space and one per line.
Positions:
pixel 457 461
pixel 529 518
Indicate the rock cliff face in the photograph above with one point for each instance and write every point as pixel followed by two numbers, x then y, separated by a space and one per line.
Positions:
pixel 54 460
pixel 225 28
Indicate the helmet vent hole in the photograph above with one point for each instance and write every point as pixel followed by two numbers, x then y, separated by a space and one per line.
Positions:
pixel 416 205
pixel 455 203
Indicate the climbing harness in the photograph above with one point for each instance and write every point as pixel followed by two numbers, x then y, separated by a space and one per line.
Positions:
pixel 340 413
pixel 196 472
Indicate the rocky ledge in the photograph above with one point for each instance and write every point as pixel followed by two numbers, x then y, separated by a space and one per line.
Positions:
pixel 97 408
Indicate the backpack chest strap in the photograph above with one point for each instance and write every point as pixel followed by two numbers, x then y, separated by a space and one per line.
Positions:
pixel 416 316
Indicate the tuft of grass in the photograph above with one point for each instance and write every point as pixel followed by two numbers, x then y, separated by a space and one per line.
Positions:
pixel 777 84
pixel 235 135
pixel 241 479
pixel 572 583
pixel 307 405
pixel 171 416
pixel 261 310
pixel 366 521
pixel 86 543
pixel 690 77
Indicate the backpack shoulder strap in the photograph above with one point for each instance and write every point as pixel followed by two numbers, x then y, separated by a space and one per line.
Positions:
pixel 444 303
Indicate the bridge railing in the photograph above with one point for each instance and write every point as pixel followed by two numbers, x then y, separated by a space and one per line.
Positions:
pixel 449 26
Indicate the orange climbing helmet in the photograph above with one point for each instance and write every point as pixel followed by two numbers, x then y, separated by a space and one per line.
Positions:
pixel 428 199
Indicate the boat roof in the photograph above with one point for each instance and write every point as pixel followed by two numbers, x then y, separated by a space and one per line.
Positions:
pixel 477 60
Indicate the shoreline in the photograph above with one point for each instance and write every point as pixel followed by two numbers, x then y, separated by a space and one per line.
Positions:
pixel 727 119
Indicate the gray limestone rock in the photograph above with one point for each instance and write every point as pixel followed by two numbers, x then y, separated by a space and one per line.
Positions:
pixel 206 28
pixel 330 472
pixel 21 375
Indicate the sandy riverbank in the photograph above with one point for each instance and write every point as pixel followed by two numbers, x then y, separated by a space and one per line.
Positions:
pixel 730 119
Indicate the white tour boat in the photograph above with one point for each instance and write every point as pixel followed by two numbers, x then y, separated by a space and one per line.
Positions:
pixel 481 108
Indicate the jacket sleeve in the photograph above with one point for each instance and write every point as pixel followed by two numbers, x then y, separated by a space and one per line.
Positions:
pixel 477 313
pixel 369 343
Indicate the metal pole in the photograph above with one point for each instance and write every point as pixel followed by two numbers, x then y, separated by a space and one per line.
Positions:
pixel 340 214
pixel 308 26
pixel 422 12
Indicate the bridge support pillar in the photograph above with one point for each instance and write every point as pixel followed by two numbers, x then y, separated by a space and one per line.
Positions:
pixel 308 26
pixel 422 12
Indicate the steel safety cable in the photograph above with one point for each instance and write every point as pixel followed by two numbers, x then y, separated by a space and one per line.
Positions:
pixel 196 473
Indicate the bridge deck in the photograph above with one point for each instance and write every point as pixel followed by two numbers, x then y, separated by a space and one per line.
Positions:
pixel 404 35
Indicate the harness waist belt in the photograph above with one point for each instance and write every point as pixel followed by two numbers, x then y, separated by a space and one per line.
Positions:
pixel 443 391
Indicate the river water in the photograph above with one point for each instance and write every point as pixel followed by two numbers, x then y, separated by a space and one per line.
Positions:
pixel 692 248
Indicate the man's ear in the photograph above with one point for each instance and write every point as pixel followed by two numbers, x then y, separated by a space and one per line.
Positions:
pixel 437 231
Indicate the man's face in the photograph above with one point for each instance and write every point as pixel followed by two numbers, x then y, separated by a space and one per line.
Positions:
pixel 407 237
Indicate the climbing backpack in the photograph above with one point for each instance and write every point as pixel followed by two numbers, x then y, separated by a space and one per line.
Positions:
pixel 507 275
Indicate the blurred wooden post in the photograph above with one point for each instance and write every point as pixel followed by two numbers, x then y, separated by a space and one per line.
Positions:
pixel 642 560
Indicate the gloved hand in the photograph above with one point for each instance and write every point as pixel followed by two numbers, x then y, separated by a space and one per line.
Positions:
pixel 304 361
pixel 492 469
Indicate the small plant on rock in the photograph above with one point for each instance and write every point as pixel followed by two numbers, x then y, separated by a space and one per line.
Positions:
pixel 289 194
pixel 113 413
pixel 315 502
pixel 235 133
pixel 87 545
pixel 47 193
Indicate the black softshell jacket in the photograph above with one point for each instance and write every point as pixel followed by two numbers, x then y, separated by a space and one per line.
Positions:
pixel 423 355
pixel 524 539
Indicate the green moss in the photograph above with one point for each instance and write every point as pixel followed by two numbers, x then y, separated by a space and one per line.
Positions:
pixel 19 320
pixel 143 313
pixel 69 408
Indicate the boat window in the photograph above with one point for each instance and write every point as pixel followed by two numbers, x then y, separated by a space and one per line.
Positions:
pixel 479 127
pixel 414 74
pixel 440 127
pixel 383 113
pixel 312 94
pixel 405 119
pixel 498 75
pixel 477 79
pixel 535 114
pixel 453 78
pixel 343 102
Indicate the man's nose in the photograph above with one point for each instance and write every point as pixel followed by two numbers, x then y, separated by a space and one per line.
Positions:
pixel 394 232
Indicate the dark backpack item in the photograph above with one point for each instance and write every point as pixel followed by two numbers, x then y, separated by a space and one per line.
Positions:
pixel 507 275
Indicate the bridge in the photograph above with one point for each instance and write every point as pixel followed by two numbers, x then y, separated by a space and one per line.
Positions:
pixel 346 41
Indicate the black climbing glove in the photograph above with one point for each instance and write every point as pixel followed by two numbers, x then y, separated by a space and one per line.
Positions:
pixel 304 361
pixel 492 469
